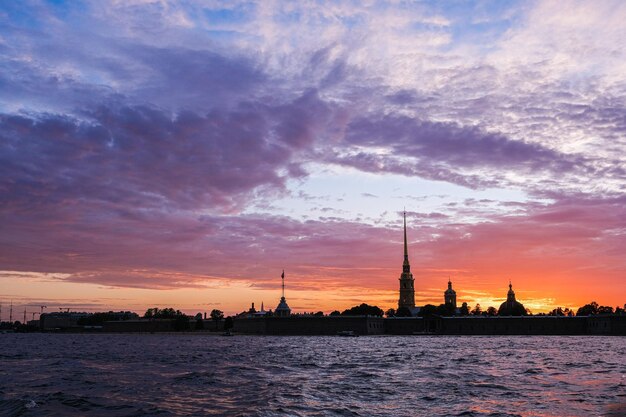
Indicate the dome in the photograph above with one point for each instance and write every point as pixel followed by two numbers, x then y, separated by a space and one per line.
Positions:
pixel 511 307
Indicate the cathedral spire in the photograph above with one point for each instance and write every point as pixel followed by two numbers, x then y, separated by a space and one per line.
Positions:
pixel 406 249
pixel 407 291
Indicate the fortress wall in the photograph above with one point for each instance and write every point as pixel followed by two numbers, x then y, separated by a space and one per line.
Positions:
pixel 250 325
pixel 513 325
pixel 607 325
pixel 310 325
pixel 469 325
pixel 139 326
pixel 404 325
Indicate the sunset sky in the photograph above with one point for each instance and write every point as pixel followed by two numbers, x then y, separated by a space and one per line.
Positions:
pixel 157 153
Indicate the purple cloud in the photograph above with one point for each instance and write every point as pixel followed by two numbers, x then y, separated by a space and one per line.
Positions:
pixel 455 145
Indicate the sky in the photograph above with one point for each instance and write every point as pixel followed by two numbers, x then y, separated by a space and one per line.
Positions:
pixel 163 153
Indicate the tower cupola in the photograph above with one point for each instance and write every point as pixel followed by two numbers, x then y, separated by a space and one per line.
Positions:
pixel 449 296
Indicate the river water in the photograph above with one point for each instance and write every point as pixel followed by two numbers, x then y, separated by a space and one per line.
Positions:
pixel 145 375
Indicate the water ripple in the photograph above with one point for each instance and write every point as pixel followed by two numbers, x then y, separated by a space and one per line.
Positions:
pixel 170 375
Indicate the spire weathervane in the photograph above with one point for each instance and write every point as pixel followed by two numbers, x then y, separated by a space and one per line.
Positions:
pixel 282 276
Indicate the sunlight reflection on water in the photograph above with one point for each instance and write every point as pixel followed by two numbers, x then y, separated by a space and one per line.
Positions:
pixel 134 375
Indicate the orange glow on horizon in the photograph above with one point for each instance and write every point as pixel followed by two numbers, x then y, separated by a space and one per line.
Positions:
pixel 537 294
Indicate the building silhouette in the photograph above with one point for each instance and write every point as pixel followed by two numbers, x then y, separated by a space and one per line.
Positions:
pixel 511 307
pixel 449 297
pixel 283 309
pixel 407 290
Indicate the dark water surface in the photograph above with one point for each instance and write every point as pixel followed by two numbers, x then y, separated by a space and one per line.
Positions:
pixel 141 375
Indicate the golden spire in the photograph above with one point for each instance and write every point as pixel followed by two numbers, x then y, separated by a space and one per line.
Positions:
pixel 406 250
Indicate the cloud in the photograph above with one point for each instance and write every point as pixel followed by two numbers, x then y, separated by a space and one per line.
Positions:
pixel 138 140
pixel 453 144
pixel 148 157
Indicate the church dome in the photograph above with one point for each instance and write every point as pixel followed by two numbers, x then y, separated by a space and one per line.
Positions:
pixel 511 307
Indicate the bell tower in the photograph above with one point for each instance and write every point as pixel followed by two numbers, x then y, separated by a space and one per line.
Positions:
pixel 407 292
pixel 450 296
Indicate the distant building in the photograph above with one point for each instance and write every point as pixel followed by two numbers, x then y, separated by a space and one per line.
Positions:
pixel 61 320
pixel 263 312
pixel 511 307
pixel 407 290
pixel 283 309
pixel 449 297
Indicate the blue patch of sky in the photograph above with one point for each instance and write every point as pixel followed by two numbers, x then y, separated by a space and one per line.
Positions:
pixel 479 23
pixel 16 14
pixel 223 23
pixel 64 10
pixel 350 195
pixel 229 16
pixel 24 15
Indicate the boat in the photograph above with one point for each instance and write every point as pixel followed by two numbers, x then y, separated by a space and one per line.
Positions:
pixel 227 333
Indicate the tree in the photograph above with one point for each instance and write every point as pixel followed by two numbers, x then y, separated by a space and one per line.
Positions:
pixel 216 316
pixel 403 312
pixel 428 310
pixel 588 309
pixel 605 310
pixel 151 313
pixel 445 310
pixel 335 313
pixel 363 310
pixel 97 319
pixel 390 313
pixel 556 312
pixel 464 310
pixel 477 310
pixel 166 313
pixel 319 314
pixel 491 311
